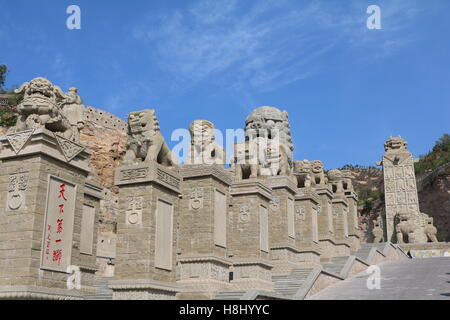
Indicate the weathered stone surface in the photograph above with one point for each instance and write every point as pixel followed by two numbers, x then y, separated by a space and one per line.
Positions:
pixel 203 149
pixel 41 199
pixel 403 221
pixel 145 142
pixel 147 231
pixel 45 105
pixel 268 148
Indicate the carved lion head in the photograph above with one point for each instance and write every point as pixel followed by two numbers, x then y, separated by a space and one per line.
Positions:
pixel 396 144
pixel 317 166
pixel 143 121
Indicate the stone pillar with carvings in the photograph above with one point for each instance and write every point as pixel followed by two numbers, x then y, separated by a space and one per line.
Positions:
pixel 307 230
pixel 147 227
pixel 284 253
pixel 48 214
pixel 249 236
pixel 146 232
pixel 203 263
pixel 340 212
pixel 403 219
pixel 327 241
pixel 340 221
pixel 352 216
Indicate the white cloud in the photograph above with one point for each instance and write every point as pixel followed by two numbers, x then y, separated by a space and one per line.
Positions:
pixel 266 44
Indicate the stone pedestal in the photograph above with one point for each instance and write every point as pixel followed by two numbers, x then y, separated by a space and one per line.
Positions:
pixel 48 220
pixel 146 232
pixel 307 231
pixel 204 267
pixel 249 236
pixel 284 254
pixel 352 221
pixel 327 241
pixel 340 220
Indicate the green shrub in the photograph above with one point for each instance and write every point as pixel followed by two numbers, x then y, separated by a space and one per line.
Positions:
pixel 439 155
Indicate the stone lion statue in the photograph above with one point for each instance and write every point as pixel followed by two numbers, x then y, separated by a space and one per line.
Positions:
pixel 303 173
pixel 72 108
pixel 41 108
pixel 203 149
pixel 245 161
pixel 377 231
pixel 268 147
pixel 309 173
pixel 335 178
pixel 396 144
pixel 145 142
pixel 429 229
pixel 318 173
pixel 347 183
pixel 405 229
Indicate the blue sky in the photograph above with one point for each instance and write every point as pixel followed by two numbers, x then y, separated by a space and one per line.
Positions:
pixel 346 88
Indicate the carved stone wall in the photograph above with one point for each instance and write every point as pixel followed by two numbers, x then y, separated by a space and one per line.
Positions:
pixel 42 218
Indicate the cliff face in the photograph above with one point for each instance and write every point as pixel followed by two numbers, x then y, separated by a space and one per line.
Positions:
pixel 368 183
pixel 434 200
pixel 108 147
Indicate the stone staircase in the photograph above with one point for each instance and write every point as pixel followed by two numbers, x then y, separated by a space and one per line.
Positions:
pixel 335 265
pixel 103 292
pixel 288 285
pixel 364 252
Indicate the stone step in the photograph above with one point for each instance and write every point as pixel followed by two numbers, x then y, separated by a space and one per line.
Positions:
pixel 288 285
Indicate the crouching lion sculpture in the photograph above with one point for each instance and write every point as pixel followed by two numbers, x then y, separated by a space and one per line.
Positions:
pixel 41 108
pixel 405 229
pixel 145 142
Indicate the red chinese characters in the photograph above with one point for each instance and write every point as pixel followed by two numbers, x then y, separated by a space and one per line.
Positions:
pixel 59 227
pixel 58 252
pixel 57 255
pixel 62 192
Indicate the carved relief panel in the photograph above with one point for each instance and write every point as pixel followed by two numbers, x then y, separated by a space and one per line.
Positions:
pixel 17 188
pixel 133 215
pixel 196 199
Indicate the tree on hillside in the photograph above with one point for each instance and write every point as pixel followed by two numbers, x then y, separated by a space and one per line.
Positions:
pixel 443 144
pixel 438 156
pixel 3 72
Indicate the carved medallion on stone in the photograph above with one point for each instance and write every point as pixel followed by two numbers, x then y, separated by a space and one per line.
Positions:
pixel 16 191
pixel 19 139
pixel 301 212
pixel 196 199
pixel 275 204
pixel 134 211
pixel 69 148
pixel 244 213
